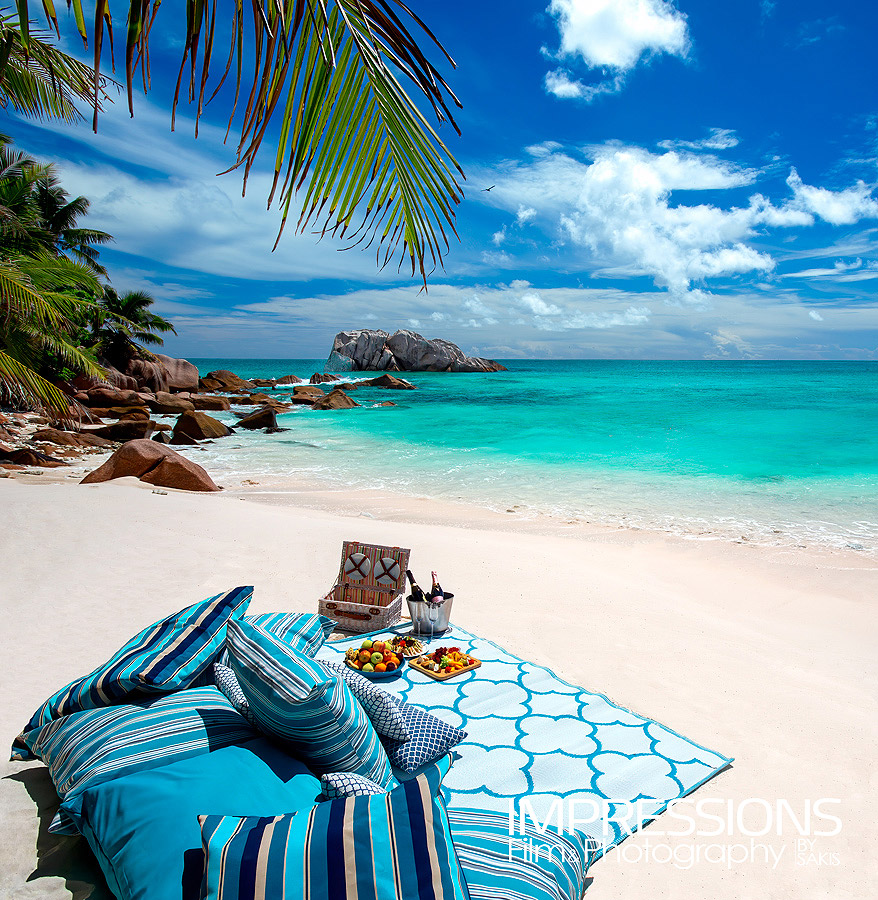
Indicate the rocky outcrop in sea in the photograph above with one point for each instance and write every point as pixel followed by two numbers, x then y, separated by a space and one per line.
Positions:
pixel 405 351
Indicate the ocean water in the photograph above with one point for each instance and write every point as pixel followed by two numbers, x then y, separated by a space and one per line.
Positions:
pixel 777 452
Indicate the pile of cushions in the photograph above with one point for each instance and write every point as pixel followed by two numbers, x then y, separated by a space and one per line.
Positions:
pixel 213 756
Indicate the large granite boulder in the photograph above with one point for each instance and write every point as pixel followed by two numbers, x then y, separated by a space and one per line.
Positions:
pixel 125 430
pixel 104 395
pixel 225 381
pixel 307 393
pixel 322 378
pixel 155 464
pixel 199 426
pixel 406 351
pixel 29 457
pixel 163 373
pixel 390 382
pixel 210 402
pixel 262 418
pixel 336 399
pixel 289 379
pixel 168 404
pixel 68 439
pixel 121 380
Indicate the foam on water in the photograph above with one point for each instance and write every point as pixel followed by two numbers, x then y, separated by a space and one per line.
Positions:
pixel 783 453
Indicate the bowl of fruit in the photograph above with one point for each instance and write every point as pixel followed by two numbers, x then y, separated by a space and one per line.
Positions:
pixel 374 659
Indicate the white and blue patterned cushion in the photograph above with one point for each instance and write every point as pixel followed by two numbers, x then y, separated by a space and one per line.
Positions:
pixel 530 864
pixel 379 705
pixel 231 690
pixel 90 747
pixel 346 784
pixel 168 656
pixel 300 703
pixel 393 845
pixel 429 739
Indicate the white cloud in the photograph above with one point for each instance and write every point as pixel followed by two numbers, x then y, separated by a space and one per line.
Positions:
pixel 718 139
pixel 498 237
pixel 815 315
pixel 533 302
pixel 836 207
pixel 615 34
pixel 616 215
pixel 525 214
pixel 562 85
pixel 730 345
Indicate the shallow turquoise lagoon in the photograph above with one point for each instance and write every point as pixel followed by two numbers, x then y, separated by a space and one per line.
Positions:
pixel 785 452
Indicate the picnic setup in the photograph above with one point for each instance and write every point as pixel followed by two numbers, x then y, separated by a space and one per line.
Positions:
pixel 347 753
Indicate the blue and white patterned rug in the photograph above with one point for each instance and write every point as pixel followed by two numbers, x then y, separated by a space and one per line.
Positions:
pixel 534 737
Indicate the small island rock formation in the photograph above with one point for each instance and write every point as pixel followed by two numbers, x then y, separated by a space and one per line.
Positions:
pixel 405 351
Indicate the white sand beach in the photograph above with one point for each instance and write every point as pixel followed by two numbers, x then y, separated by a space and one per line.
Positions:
pixel 762 654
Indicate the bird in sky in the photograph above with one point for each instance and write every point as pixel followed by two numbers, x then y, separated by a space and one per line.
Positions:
pixel 491 188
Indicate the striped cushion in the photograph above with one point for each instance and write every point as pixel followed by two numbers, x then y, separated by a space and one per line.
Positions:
pixel 533 865
pixel 393 845
pixel 97 745
pixel 379 706
pixel 168 656
pixel 305 632
pixel 429 738
pixel 300 703
pixel 346 784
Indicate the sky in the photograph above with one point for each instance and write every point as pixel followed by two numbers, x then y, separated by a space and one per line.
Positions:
pixel 689 180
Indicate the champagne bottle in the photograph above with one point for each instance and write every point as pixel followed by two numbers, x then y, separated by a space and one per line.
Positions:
pixel 417 593
pixel 437 595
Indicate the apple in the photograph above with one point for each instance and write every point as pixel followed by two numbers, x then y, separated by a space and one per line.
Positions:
pixel 368 667
pixel 365 656
pixel 366 645
pixel 376 658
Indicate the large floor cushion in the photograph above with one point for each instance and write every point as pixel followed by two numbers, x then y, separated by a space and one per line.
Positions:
pixel 395 845
pixel 299 703
pixel 144 828
pixel 525 865
pixel 168 656
pixel 91 747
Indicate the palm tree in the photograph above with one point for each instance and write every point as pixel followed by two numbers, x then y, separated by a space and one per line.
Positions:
pixel 38 314
pixel 42 292
pixel 362 158
pixel 40 81
pixel 121 325
pixel 59 215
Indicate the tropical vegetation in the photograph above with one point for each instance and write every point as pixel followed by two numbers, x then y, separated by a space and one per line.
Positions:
pixel 328 77
pixel 58 318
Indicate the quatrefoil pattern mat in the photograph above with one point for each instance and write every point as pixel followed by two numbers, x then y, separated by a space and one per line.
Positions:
pixel 532 736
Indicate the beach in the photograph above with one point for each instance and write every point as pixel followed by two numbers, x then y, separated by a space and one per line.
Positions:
pixel 764 654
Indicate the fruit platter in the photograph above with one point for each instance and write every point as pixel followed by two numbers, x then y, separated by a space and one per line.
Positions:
pixel 444 663
pixel 406 645
pixel 374 659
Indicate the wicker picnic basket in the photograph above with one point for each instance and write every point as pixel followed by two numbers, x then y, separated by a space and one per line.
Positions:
pixel 368 593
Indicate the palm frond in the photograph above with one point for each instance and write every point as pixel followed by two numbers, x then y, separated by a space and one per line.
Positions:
pixel 21 383
pixel 329 75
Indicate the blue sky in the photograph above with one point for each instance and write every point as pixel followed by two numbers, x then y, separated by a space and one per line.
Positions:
pixel 689 180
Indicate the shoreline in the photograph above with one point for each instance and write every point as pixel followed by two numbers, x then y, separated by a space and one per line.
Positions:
pixel 762 655
pixel 334 497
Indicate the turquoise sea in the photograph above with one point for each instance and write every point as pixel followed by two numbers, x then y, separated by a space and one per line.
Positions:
pixel 778 452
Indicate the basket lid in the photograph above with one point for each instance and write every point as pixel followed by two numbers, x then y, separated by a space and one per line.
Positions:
pixel 373 567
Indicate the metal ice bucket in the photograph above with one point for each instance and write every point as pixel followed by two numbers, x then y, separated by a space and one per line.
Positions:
pixel 419 610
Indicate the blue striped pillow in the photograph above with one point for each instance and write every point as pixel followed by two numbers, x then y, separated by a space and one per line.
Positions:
pixel 533 865
pixel 305 632
pixel 300 703
pixel 388 845
pixel 90 747
pixel 168 656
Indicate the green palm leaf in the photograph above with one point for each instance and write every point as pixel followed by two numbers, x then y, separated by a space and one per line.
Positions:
pixel 355 151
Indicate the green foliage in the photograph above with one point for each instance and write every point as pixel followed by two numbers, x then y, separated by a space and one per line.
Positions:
pixel 332 76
